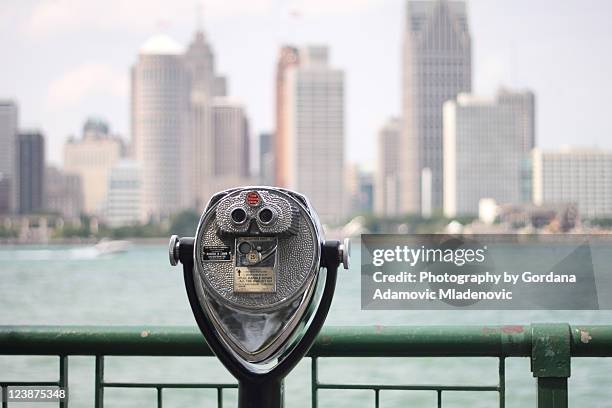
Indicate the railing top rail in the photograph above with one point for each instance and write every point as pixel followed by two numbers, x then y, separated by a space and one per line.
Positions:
pixel 333 341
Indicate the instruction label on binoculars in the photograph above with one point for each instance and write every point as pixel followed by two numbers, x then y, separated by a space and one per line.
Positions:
pixel 554 272
pixel 254 280
pixel 255 261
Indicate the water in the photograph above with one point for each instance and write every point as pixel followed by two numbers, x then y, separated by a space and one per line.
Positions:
pixel 61 285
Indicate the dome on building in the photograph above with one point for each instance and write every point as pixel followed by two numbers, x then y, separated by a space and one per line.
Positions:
pixel 161 44
pixel 96 125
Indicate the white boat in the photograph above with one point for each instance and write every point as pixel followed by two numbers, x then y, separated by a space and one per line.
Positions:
pixel 106 246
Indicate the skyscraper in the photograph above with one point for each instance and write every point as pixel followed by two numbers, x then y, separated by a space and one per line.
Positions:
pixel 200 64
pixel 266 159
pixel 436 67
pixel 359 190
pixel 198 151
pixel 8 154
pixel 5 195
pixel 312 131
pixel 31 172
pixel 288 58
pixel 486 147
pixel 522 106
pixel 173 93
pixel 160 103
pixel 386 178
pixel 231 138
pixel 92 157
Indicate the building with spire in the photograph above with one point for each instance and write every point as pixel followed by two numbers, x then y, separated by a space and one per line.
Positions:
pixel 437 65
pixel 207 89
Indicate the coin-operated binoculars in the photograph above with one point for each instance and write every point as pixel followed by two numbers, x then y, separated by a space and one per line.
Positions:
pixel 260 279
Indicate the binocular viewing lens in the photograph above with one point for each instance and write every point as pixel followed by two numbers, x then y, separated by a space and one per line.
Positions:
pixel 238 215
pixel 265 215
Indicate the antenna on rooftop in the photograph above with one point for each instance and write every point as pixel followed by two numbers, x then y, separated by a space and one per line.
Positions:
pixel 199 9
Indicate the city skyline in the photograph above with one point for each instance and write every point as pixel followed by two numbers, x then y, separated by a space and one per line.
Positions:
pixel 368 105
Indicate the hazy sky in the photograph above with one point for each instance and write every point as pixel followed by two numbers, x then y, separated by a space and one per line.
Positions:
pixel 64 60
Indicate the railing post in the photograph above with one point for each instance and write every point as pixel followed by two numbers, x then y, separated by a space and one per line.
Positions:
pixel 502 382
pixel 551 363
pixel 159 397
pixel 220 397
pixel 314 382
pixel 99 383
pixel 63 379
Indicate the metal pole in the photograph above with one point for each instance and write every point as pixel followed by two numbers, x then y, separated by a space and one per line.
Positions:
pixel 99 383
pixel 551 363
pixel 266 394
pixel 552 392
pixel 63 379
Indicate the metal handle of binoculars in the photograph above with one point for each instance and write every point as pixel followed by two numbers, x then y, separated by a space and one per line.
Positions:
pixel 262 390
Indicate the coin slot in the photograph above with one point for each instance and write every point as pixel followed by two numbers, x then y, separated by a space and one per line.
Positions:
pixel 244 248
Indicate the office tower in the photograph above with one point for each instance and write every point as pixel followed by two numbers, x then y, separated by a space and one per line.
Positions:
pixel 288 58
pixel 160 104
pixel 124 194
pixel 63 193
pixel 91 158
pixel 484 151
pixel 199 153
pixel 436 67
pixel 172 123
pixel 386 179
pixel 266 159
pixel 359 190
pixel 8 157
pixel 578 176
pixel 31 162
pixel 200 64
pixel 231 138
pixel 312 132
pixel 522 104
pixel 199 58
pixel 229 149
pixel 5 194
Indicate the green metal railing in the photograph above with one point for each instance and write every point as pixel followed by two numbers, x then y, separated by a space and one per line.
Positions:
pixel 549 346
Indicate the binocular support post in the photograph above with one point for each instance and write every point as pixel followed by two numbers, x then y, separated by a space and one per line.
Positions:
pixel 257 390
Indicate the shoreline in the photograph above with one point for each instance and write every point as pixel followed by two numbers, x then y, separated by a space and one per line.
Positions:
pixel 82 241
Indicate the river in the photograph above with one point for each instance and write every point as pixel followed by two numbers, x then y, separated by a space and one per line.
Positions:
pixel 72 285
